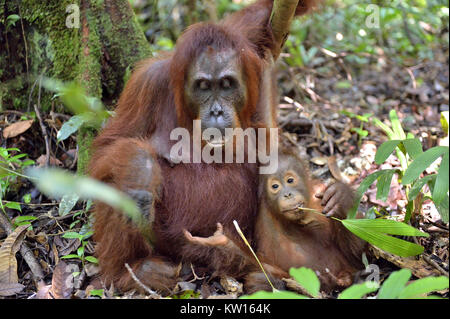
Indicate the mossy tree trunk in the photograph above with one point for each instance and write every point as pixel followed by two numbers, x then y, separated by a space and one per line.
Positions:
pixel 96 48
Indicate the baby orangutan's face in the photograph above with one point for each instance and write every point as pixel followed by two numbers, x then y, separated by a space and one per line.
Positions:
pixel 287 191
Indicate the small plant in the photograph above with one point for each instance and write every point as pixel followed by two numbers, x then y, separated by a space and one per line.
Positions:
pixel 362 133
pixel 394 287
pixel 11 167
pixel 413 162
pixel 89 111
pixel 83 237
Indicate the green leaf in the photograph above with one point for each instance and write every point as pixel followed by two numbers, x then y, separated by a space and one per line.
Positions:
pixel 413 147
pixel 358 291
pixel 96 292
pixel 384 185
pixel 12 19
pixel 396 125
pixel 13 205
pixel 386 129
pixel 20 219
pixel 385 150
pixel 71 235
pixel 360 132
pixel 394 284
pixel 67 203
pixel 57 183
pixel 26 198
pixel 418 185
pixel 307 279
pixel 80 251
pixel 443 208
pixel 70 256
pixel 274 295
pixel 92 259
pixel 421 162
pixel 441 186
pixel 424 286
pixel 72 125
pixel 343 84
pixel 386 226
pixel 363 187
pixel 390 244
pixel 444 122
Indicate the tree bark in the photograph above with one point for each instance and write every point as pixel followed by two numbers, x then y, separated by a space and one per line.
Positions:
pixel 97 54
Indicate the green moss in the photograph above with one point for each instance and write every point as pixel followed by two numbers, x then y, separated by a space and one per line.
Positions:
pixel 61 44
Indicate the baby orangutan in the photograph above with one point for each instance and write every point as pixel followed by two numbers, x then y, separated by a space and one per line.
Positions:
pixel 294 228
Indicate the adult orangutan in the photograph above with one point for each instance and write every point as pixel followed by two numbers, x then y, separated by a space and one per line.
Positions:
pixel 219 74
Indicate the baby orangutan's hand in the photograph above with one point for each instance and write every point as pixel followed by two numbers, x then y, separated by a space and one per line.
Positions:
pixel 337 200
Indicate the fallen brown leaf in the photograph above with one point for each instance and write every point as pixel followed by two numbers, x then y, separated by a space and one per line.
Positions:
pixel 8 250
pixel 17 128
pixel 53 161
pixel 9 289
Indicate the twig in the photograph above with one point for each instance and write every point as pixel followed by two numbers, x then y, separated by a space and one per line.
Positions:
pixel 147 289
pixel 31 204
pixel 24 41
pixel 435 265
pixel 41 123
pixel 195 275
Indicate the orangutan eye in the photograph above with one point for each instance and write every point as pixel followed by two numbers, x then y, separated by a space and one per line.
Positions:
pixel 275 186
pixel 203 84
pixel 290 180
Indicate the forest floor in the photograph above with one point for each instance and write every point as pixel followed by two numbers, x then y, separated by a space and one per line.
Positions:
pixel 312 100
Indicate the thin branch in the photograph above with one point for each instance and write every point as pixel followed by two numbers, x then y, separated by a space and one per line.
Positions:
pixel 41 123
pixel 147 289
pixel 280 20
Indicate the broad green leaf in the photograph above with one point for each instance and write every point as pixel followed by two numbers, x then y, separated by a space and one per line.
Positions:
pixel 72 125
pixel 67 203
pixel 384 185
pixel 307 279
pixel 92 259
pixel 274 295
pixel 80 251
pixel 441 185
pixel 358 291
pixel 393 245
pixel 396 125
pixel 418 185
pixel 413 147
pixel 20 219
pixel 13 205
pixel 394 284
pixel 386 129
pixel 386 226
pixel 71 235
pixel 424 286
pixel 421 162
pixel 57 183
pixel 443 208
pixel 385 150
pixel 363 187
